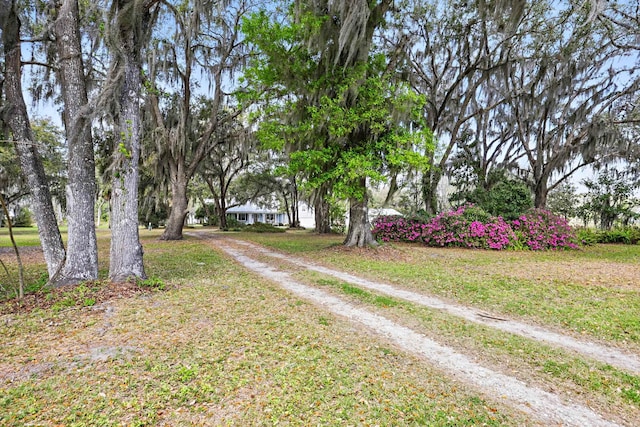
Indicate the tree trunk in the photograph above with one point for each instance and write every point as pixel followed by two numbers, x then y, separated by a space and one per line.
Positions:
pixel 222 216
pixel 179 208
pixel 295 203
pixel 430 181
pixel 221 201
pixel 359 233
pixel 82 250
pixel 607 215
pixel 126 253
pixel 99 204
pixel 16 116
pixel 287 209
pixel 207 212
pixel 540 191
pixel 321 212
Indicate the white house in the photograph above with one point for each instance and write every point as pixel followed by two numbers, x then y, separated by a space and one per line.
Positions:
pixel 250 214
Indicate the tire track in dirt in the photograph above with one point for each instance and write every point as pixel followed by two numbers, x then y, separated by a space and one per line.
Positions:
pixel 609 355
pixel 549 408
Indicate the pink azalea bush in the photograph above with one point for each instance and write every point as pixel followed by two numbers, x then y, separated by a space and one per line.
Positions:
pixel 393 228
pixel 539 229
pixel 471 227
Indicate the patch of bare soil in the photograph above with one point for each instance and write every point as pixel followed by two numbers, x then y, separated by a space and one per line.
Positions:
pixel 92 293
pixel 28 254
pixel 378 253
pixel 586 273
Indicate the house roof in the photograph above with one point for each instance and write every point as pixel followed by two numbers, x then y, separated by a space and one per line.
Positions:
pixel 250 208
pixel 383 212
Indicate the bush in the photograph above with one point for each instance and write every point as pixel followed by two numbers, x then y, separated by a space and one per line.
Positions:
pixel 587 236
pixel 233 224
pixel 623 235
pixel 471 227
pixel 23 219
pixel 509 199
pixel 468 226
pixel 260 227
pixel 156 217
pixel 539 229
pixel 393 228
pixel 505 197
pixel 201 214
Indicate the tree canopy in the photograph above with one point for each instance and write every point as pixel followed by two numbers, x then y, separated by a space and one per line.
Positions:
pixel 177 102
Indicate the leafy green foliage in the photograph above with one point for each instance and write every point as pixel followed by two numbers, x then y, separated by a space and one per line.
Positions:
pixel 563 201
pixel 154 217
pixel 341 125
pixel 260 227
pixel 621 235
pixel 23 218
pixel 609 200
pixel 152 283
pixel 201 214
pixel 586 236
pixel 49 139
pixel 501 196
pixel 233 224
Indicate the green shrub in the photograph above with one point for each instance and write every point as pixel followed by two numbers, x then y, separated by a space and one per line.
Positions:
pixel 233 224
pixel 23 219
pixel 260 227
pixel 156 217
pixel 421 215
pixel 621 235
pixel 506 198
pixel 201 214
pixel 587 236
pixel 473 213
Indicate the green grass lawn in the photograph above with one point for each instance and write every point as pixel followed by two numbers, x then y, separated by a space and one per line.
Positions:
pixel 593 291
pixel 593 294
pixel 219 347
pixel 24 236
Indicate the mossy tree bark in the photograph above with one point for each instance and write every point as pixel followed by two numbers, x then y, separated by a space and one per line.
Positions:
pixel 16 116
pixel 126 254
pixel 82 250
pixel 359 233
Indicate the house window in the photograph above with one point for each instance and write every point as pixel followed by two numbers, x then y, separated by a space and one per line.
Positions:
pixel 242 217
pixel 270 218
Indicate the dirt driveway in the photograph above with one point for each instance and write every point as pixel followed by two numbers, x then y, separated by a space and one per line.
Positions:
pixel 550 408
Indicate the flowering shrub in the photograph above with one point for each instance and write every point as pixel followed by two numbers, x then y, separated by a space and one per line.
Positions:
pixel 468 226
pixel 393 228
pixel 471 227
pixel 539 229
